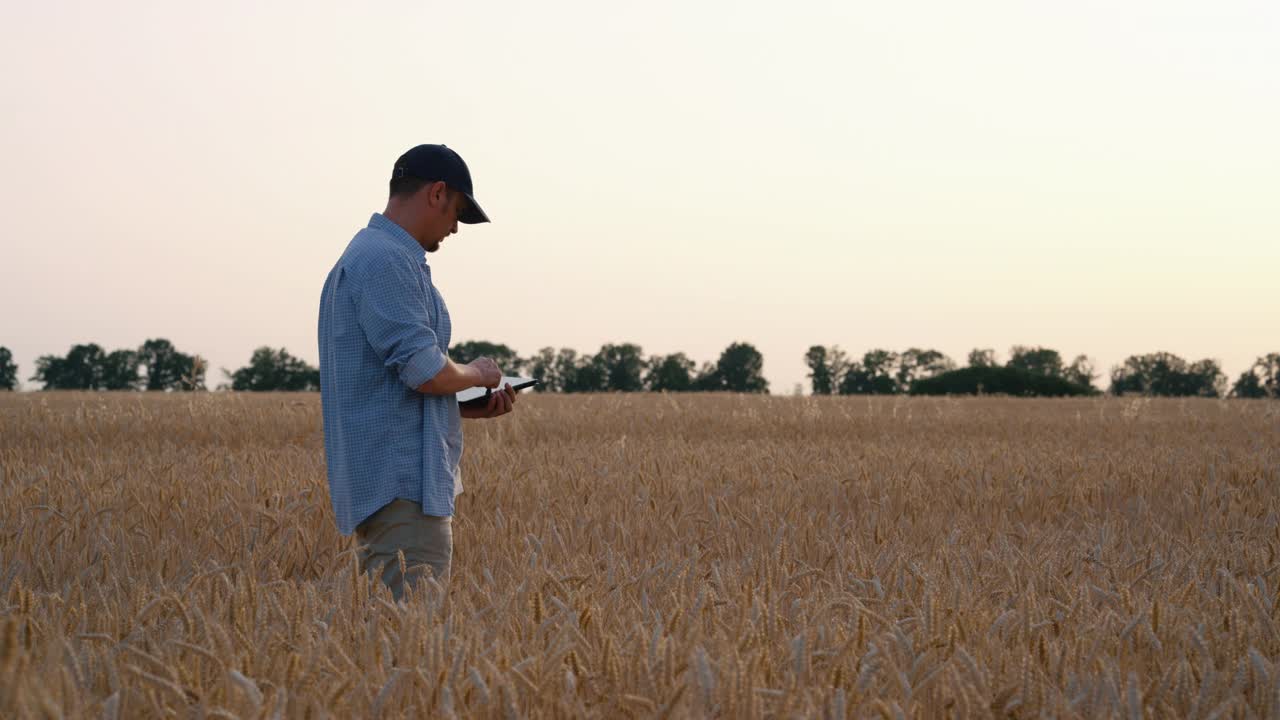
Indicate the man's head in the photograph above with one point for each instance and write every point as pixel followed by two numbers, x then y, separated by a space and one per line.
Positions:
pixel 430 193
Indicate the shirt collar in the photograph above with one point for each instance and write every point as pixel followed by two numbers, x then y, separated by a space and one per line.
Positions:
pixel 397 233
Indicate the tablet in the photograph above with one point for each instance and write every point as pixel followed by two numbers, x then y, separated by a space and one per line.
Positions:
pixel 474 396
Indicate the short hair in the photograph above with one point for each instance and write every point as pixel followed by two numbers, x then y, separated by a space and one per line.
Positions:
pixel 407 185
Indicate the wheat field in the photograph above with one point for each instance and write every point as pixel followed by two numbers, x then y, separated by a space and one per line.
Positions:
pixel 653 556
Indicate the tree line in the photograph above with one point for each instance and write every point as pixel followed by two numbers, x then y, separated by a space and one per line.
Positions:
pixel 158 366
pixel 1030 371
pixel 623 367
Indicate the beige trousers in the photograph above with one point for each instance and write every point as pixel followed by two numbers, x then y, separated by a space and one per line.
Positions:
pixel 399 526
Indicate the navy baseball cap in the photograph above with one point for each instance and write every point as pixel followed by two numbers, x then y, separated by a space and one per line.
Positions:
pixel 437 162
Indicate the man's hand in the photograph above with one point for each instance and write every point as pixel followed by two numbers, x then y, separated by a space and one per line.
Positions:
pixel 500 403
pixel 454 378
pixel 489 373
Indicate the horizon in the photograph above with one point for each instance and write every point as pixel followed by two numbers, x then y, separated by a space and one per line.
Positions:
pixel 1094 179
pixel 1101 381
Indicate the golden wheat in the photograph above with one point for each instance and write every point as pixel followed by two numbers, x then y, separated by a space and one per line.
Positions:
pixel 653 556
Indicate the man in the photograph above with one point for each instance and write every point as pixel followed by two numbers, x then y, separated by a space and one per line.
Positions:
pixel 392 426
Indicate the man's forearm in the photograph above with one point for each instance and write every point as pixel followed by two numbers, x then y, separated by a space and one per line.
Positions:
pixel 452 378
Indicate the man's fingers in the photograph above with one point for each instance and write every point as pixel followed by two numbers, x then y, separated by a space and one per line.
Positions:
pixel 490 370
pixel 500 402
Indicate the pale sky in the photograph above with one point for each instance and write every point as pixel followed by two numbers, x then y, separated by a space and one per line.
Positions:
pixel 1096 177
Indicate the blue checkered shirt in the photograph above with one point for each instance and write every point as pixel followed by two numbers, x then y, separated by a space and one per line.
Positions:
pixel 384 330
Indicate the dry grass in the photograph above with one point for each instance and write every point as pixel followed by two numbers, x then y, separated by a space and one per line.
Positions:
pixel 653 556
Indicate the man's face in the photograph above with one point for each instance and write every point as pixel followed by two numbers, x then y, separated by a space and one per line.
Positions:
pixel 443 207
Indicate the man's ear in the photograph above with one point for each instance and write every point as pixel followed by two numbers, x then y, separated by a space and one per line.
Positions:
pixel 437 194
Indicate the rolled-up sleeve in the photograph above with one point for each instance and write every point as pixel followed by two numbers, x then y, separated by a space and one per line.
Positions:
pixel 392 309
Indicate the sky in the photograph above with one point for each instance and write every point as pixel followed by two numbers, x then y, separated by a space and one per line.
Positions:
pixel 1095 177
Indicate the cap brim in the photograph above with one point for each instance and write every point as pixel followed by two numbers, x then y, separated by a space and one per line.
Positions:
pixel 473 214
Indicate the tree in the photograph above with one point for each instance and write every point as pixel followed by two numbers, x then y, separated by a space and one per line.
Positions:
pixel 982 357
pixel 1260 381
pixel 858 380
pixel 565 369
pixel 1248 386
pixel 1268 367
pixel 50 370
pixel 819 371
pixel 1145 374
pixel 670 373
pixel 740 369
pixel 1206 379
pixel 542 367
pixel 168 369
pixel 996 380
pixel 838 362
pixel 708 379
pixel 1167 375
pixel 587 374
pixel 1037 360
pixel 81 369
pixel 120 370
pixel 507 359
pixel 826 367
pixel 874 375
pixel 623 366
pixel 275 370
pixel 8 370
pixel 1080 372
pixel 916 364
